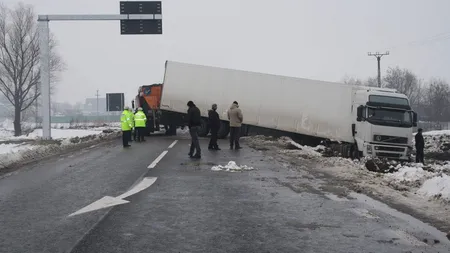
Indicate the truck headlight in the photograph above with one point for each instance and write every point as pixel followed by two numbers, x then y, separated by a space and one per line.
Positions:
pixel 369 149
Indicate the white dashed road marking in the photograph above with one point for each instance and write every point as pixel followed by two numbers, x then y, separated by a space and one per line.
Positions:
pixel 156 161
pixel 173 144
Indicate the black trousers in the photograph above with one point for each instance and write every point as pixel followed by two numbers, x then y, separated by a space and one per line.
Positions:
pixel 140 132
pixel 126 136
pixel 235 134
pixel 195 144
pixel 420 155
pixel 213 140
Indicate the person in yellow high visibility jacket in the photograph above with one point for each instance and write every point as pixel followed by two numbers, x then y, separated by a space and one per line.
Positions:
pixel 130 111
pixel 126 125
pixel 140 121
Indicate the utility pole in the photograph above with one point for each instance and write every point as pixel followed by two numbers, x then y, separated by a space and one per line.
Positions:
pixel 378 56
pixel 97 95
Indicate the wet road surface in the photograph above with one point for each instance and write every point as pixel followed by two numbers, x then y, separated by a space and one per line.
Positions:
pixel 184 206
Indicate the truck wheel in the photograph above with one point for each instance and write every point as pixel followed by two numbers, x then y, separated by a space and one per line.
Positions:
pixel 204 129
pixel 355 152
pixel 224 130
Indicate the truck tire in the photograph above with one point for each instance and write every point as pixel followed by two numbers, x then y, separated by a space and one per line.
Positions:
pixel 224 130
pixel 355 154
pixel 204 128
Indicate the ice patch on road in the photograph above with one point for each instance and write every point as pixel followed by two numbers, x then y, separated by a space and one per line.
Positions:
pixel 438 187
pixel 231 167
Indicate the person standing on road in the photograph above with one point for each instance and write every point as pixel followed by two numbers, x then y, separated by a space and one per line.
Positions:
pixel 140 121
pixel 214 125
pixel 194 122
pixel 420 144
pixel 236 118
pixel 126 126
pixel 132 133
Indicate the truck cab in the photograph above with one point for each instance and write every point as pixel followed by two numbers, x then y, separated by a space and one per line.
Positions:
pixel 384 122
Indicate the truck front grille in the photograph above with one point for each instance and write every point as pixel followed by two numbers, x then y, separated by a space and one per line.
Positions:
pixel 390 139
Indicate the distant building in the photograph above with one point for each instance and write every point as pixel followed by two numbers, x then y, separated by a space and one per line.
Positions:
pixel 90 106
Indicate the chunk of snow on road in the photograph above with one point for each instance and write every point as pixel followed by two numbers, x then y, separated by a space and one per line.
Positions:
pixel 232 167
pixel 438 186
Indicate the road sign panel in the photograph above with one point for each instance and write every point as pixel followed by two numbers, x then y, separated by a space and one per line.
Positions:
pixel 141 7
pixel 141 26
pixel 114 102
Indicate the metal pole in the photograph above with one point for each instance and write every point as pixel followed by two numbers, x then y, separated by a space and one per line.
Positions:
pixel 379 71
pixel 44 47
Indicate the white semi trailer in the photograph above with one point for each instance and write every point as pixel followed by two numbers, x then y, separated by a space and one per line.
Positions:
pixel 361 121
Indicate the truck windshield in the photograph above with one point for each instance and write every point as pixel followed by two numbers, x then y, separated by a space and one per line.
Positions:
pixel 389 117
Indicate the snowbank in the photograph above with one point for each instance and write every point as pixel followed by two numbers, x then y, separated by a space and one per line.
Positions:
pixel 437 187
pixel 436 141
pixel 300 149
pixel 231 167
pixel 21 153
pixel 64 133
pixel 14 148
pixel 410 176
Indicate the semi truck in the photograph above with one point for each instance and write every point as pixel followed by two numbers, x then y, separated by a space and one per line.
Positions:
pixel 356 120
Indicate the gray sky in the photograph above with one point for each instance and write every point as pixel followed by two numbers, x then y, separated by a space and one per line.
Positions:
pixel 319 39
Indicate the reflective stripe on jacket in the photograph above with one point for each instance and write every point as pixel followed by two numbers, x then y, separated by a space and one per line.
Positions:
pixel 140 119
pixel 125 121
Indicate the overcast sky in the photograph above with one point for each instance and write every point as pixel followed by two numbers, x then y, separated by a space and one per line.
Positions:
pixel 319 39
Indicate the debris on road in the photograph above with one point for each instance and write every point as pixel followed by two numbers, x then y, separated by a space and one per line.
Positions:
pixel 231 167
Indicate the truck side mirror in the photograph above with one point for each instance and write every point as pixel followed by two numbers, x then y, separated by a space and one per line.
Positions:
pixel 359 113
pixel 414 119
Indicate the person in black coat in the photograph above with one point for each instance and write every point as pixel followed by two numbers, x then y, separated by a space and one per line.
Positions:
pixel 420 144
pixel 194 121
pixel 214 125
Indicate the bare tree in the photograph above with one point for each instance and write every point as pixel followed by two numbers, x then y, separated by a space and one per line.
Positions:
pixel 437 100
pixel 19 59
pixel 371 81
pixel 404 81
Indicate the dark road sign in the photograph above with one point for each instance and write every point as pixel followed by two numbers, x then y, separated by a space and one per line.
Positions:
pixel 141 26
pixel 141 7
pixel 115 102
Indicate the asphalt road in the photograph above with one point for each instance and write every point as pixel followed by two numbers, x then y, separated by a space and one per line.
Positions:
pixel 184 206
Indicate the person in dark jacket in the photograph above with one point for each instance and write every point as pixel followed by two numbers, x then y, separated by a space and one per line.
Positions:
pixel 420 144
pixel 194 120
pixel 214 125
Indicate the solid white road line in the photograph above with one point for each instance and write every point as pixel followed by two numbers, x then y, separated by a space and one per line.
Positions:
pixel 173 144
pixel 156 161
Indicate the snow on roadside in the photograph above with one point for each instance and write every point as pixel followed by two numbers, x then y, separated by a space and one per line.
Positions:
pixel 294 147
pixel 231 167
pixel 436 141
pixel 64 133
pixel 19 153
pixel 436 187
pixel 409 176
pixel 14 148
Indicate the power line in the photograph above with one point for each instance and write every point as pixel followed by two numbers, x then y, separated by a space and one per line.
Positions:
pixel 378 56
